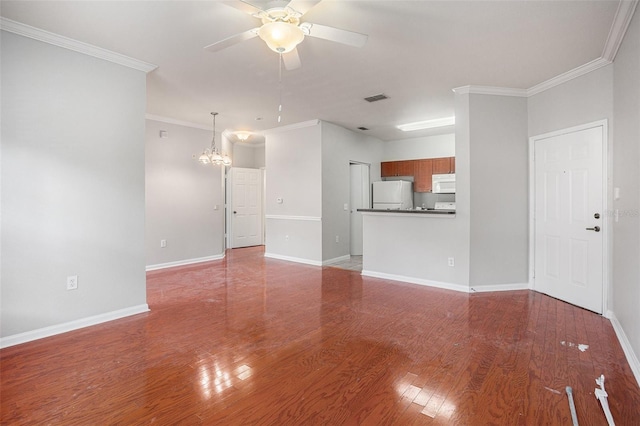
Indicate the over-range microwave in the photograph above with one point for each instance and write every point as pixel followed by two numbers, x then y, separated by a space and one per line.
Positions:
pixel 443 184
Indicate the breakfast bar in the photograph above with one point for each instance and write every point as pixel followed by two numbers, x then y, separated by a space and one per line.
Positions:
pixel 415 246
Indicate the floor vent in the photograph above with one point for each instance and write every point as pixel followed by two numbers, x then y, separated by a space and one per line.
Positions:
pixel 376 98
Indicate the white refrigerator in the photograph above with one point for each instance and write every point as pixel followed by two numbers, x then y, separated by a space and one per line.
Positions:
pixel 393 195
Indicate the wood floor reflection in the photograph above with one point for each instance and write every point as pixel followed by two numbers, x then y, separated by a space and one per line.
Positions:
pixel 250 340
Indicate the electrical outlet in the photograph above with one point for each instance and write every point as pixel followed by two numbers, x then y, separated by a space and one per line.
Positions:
pixel 163 243
pixel 451 261
pixel 72 282
pixel 337 238
pixel 286 238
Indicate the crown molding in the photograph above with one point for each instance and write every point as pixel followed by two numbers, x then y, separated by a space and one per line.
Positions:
pixel 619 28
pixel 490 90
pixel 545 85
pixel 567 76
pixel 76 46
pixel 169 120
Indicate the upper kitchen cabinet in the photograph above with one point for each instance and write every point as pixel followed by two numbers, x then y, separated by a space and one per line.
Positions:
pixel 397 168
pixel 406 168
pixel 421 170
pixel 388 168
pixel 444 165
pixel 422 178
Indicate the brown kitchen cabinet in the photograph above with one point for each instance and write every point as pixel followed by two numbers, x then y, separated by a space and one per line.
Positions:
pixel 388 168
pixel 422 178
pixel 421 170
pixel 406 168
pixel 397 168
pixel 444 165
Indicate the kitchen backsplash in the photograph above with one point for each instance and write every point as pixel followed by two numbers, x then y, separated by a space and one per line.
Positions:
pixel 429 199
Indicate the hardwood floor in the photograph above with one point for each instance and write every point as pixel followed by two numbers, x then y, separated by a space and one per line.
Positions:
pixel 250 340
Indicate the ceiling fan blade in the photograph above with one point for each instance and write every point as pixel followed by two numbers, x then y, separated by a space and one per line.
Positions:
pixel 291 60
pixel 230 41
pixel 244 6
pixel 302 6
pixel 349 38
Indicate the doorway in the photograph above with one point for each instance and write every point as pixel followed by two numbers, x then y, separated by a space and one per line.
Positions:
pixel 569 224
pixel 245 207
pixel 360 198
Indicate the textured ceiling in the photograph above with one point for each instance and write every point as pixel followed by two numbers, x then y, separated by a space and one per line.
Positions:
pixel 416 53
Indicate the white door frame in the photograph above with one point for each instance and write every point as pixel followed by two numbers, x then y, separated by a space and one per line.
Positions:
pixel 606 214
pixel 351 207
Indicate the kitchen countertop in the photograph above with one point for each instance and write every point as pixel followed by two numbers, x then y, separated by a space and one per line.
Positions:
pixel 412 211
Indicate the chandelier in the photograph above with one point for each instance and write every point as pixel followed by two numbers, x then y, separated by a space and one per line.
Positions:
pixel 212 155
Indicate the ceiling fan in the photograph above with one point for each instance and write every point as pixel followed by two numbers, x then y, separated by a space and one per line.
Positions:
pixel 282 30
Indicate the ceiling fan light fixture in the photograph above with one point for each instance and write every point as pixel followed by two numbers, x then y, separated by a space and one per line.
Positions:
pixel 281 37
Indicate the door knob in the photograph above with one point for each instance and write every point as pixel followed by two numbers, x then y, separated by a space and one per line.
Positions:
pixel 234 212
pixel 595 228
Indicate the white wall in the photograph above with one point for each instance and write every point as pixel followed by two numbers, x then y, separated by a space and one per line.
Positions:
pixel 436 146
pixel 307 165
pixel 499 191
pixel 248 156
pixel 415 248
pixel 293 157
pixel 626 176
pixel 339 147
pixel 72 186
pixel 181 197
pixel 460 235
pixel 585 99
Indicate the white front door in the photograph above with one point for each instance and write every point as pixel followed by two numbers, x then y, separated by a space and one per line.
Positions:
pixel 568 217
pixel 246 207
pixel 360 198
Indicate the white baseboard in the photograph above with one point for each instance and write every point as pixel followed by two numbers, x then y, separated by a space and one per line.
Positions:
pixel 184 262
pixel 293 259
pixel 41 333
pixel 498 287
pixel 336 259
pixel 412 280
pixel 632 358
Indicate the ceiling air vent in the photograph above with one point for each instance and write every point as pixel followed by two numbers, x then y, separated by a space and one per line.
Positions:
pixel 376 98
pixel 362 128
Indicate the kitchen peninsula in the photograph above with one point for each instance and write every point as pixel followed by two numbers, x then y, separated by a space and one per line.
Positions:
pixel 415 246
pixel 422 240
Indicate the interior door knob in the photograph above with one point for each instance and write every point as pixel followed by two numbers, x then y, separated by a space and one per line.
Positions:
pixel 595 228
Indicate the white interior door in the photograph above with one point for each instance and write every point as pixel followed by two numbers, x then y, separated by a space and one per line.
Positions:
pixel 360 199
pixel 568 257
pixel 246 207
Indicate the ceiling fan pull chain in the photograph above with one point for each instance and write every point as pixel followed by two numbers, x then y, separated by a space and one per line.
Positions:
pixel 280 87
